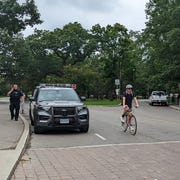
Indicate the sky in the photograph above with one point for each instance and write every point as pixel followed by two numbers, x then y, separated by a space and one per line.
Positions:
pixel 57 13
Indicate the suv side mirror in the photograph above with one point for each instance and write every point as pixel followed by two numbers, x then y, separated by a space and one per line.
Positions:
pixel 31 98
pixel 83 98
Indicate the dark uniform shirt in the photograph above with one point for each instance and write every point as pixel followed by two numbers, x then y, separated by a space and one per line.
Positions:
pixel 15 96
pixel 129 98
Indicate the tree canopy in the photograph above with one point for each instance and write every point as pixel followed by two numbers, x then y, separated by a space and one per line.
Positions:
pixel 15 17
pixel 161 43
pixel 92 58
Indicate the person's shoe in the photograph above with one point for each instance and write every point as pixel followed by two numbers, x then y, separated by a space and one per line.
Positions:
pixel 132 129
pixel 16 119
pixel 122 119
pixel 22 111
pixel 12 118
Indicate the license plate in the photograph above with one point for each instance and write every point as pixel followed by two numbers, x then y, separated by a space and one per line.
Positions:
pixel 64 121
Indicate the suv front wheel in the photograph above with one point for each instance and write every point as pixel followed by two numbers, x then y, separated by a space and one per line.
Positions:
pixel 30 115
pixel 84 129
pixel 37 129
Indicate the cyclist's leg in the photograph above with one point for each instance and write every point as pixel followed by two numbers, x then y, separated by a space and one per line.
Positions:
pixel 123 116
pixel 124 124
pixel 125 110
pixel 129 115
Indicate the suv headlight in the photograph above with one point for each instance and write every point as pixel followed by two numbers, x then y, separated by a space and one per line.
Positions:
pixel 44 108
pixel 82 110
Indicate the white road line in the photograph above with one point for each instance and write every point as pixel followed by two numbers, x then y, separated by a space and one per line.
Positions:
pixel 108 145
pixel 101 137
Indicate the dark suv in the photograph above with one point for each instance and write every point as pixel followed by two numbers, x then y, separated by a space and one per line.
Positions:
pixel 57 106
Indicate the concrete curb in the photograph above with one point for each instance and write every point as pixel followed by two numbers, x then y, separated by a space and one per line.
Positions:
pixel 175 107
pixel 10 158
pixel 4 102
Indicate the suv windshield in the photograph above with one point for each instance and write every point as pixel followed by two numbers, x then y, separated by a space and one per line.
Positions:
pixel 58 95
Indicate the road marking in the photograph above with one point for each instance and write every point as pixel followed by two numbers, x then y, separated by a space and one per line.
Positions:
pixel 101 137
pixel 109 145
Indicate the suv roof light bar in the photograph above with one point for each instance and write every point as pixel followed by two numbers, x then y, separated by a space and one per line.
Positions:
pixel 55 85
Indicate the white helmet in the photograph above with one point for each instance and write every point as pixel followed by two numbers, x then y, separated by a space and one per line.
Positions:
pixel 129 86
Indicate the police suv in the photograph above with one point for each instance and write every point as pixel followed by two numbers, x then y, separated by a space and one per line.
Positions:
pixel 57 106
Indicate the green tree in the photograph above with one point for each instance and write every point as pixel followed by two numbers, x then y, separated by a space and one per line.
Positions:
pixel 112 45
pixel 161 43
pixel 15 17
pixel 44 61
pixel 15 55
pixel 69 43
pixel 60 49
pixel 15 61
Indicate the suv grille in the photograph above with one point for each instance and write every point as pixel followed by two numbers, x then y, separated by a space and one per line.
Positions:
pixel 64 111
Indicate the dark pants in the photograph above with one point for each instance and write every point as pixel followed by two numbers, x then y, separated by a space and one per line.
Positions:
pixel 15 106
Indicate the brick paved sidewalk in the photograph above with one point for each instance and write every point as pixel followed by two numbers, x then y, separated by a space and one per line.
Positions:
pixel 125 162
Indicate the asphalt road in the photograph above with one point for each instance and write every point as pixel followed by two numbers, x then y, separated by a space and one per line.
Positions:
pixel 155 124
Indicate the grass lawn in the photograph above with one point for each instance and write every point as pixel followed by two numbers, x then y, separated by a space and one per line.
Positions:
pixel 104 102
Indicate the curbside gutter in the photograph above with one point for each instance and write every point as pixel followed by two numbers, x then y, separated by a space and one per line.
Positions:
pixel 10 158
pixel 175 107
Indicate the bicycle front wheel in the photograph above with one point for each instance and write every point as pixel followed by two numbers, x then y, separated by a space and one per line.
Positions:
pixel 133 125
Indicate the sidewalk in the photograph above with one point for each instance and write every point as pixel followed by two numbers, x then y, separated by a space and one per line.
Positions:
pixel 177 107
pixel 13 139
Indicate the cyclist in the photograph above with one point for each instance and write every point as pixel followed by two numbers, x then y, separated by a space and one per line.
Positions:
pixel 128 97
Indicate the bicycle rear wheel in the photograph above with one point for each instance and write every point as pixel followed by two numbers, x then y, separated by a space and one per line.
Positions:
pixel 124 125
pixel 133 125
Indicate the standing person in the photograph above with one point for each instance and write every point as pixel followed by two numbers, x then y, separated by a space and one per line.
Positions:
pixel 22 103
pixel 15 96
pixel 128 96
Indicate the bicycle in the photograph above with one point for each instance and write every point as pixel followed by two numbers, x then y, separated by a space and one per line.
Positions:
pixel 130 123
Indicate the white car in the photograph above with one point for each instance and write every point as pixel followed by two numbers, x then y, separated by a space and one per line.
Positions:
pixel 158 97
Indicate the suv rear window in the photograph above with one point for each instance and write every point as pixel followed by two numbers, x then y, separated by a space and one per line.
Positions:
pixel 158 93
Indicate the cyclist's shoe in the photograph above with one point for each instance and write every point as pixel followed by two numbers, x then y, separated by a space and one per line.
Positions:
pixel 122 119
pixel 132 129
